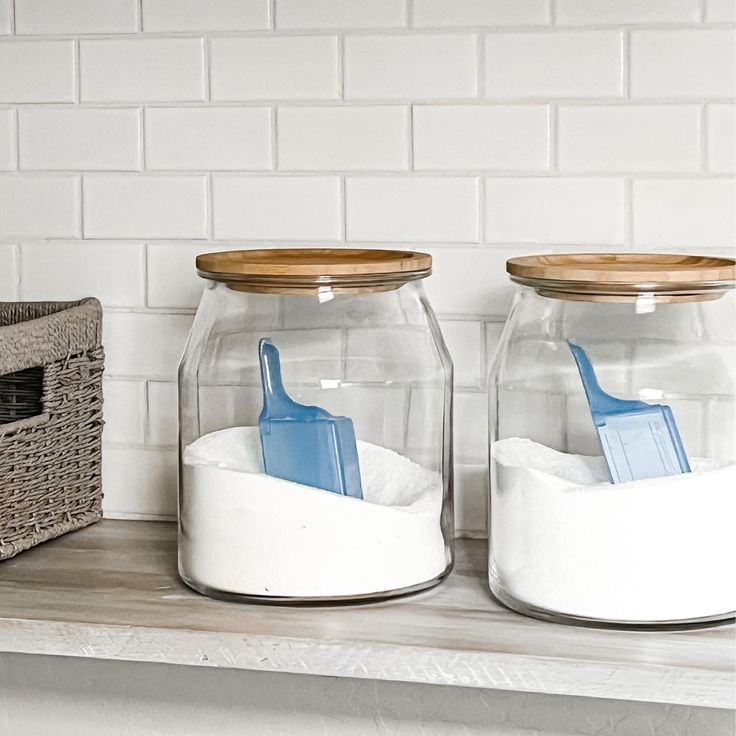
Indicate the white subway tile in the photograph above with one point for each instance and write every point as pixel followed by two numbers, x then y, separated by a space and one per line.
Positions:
pixel 561 64
pixel 683 63
pixel 161 69
pixel 8 272
pixel 172 275
pixel 481 137
pixel 686 212
pixel 340 14
pixel 285 207
pixel 213 15
pixel 342 138
pixel 411 67
pixel 75 16
pixel 113 272
pixel 145 207
pixel 470 431
pixel 463 340
pixel 631 138
pixel 37 71
pixel 439 13
pixel 39 206
pixel 720 11
pixel 163 413
pixel 555 210
pixel 74 138
pixel 378 412
pixel 123 411
pixel 226 406
pixel 293 67
pixel 139 481
pixel 471 498
pixel 7 140
pixel 403 209
pixel 472 280
pixel 144 344
pixel 6 19
pixel 214 138
pixel 599 12
pixel 721 138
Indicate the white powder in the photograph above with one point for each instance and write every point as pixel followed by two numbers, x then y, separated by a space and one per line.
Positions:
pixel 247 532
pixel 567 540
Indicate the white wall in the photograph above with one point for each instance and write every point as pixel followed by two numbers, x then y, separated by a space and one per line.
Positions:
pixel 78 697
pixel 474 129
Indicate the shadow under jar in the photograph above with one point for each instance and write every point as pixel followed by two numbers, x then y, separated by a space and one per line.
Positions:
pixel 566 542
pixel 358 338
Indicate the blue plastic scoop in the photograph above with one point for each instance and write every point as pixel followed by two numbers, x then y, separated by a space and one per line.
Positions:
pixel 639 440
pixel 304 444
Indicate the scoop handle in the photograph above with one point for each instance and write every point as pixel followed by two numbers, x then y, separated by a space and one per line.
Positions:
pixel 599 401
pixel 276 402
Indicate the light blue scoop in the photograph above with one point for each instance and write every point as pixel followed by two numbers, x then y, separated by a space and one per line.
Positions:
pixel 639 440
pixel 304 444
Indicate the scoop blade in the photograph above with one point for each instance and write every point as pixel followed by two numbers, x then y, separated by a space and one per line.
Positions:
pixel 639 440
pixel 304 444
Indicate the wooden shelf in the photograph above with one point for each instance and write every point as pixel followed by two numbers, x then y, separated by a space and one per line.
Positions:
pixel 111 592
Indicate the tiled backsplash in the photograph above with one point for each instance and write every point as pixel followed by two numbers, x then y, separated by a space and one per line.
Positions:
pixel 134 135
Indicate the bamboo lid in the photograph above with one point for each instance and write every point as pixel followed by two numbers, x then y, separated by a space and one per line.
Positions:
pixel 623 274
pixel 284 270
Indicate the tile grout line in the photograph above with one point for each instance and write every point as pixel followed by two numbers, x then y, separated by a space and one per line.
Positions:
pixel 626 65
pixel 702 10
pixel 554 139
pixel 703 139
pixel 544 28
pixel 274 135
pixel 628 212
pixel 599 174
pixel 209 207
pixel 17 139
pixel 480 60
pixel 207 69
pixel 77 71
pixel 81 207
pixel 341 68
pixel 458 102
pixel 343 209
pixel 142 126
pixel 411 153
pixel 18 252
pixel 146 271
pixel 482 224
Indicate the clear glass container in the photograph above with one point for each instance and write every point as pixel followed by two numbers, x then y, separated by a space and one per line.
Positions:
pixel 567 543
pixel 358 338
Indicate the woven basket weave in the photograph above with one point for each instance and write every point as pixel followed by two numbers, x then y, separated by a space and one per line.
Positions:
pixel 51 364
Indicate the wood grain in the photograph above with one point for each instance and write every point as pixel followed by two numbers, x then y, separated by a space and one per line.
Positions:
pixel 312 262
pixel 111 592
pixel 624 268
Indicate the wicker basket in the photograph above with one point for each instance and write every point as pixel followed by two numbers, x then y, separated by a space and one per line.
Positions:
pixel 51 364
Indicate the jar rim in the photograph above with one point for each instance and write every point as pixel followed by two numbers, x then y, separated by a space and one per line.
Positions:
pixel 624 273
pixel 310 268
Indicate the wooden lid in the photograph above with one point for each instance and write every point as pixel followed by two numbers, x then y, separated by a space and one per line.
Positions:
pixel 624 273
pixel 314 267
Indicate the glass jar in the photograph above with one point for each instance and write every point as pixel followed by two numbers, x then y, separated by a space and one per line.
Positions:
pixel 356 337
pixel 594 517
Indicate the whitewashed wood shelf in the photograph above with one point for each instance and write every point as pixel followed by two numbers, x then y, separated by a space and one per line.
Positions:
pixel 111 592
